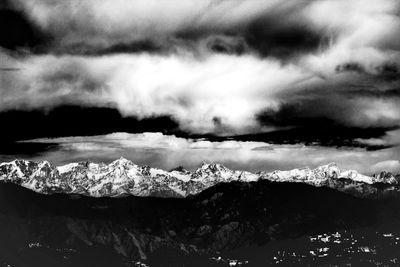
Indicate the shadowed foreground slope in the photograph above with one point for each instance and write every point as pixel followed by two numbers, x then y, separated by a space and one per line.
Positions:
pixel 72 230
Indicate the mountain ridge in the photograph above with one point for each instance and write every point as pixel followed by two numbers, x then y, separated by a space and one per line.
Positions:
pixel 122 177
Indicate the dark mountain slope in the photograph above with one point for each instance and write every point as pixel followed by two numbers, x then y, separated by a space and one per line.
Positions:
pixel 71 230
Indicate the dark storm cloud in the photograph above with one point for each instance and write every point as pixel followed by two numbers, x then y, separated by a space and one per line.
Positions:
pixel 17 31
pixel 299 124
pixel 198 46
pixel 283 41
pixel 350 66
pixel 336 112
pixel 386 70
pixel 389 71
pixel 75 120
pixel 271 28
pixel 274 28
pixel 349 105
pixel 9 69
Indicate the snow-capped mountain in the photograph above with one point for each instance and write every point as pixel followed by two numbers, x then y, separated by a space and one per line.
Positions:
pixel 122 177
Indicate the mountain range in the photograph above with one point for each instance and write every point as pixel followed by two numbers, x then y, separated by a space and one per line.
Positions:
pixel 122 178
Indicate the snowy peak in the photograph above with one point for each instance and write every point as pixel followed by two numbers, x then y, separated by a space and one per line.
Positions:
pixel 319 176
pixel 387 177
pixel 122 162
pixel 122 177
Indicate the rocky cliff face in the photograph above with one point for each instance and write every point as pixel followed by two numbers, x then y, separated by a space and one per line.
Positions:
pixel 122 177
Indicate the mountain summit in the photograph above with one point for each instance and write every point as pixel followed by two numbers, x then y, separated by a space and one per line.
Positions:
pixel 122 177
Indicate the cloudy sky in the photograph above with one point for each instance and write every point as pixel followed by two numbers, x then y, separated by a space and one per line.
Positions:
pixel 319 78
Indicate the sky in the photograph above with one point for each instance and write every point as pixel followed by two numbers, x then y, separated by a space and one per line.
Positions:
pixel 319 78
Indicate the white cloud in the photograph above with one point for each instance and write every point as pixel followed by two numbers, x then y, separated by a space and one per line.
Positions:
pixel 146 140
pixel 387 165
pixel 391 138
pixel 168 151
pixel 219 93
pixel 195 92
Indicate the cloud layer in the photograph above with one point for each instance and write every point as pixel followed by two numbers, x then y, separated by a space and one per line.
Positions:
pixel 221 67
